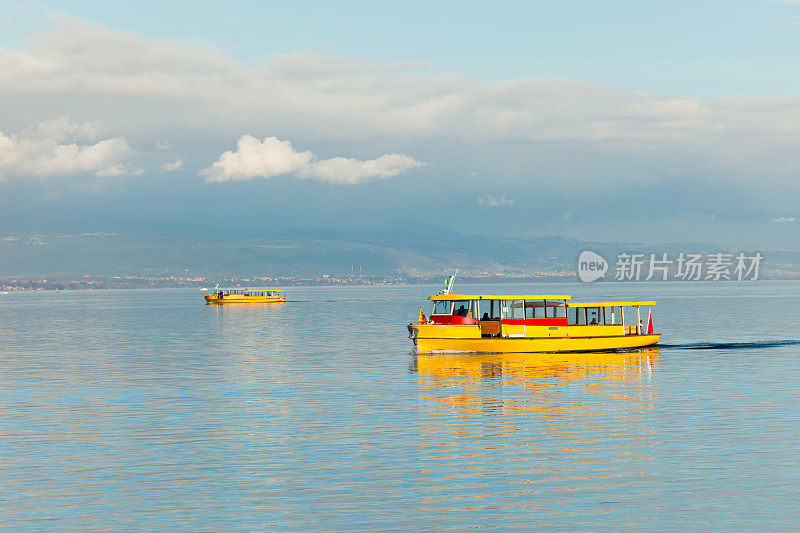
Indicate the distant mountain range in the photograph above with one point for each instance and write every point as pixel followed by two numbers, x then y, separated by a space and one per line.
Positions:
pixel 419 251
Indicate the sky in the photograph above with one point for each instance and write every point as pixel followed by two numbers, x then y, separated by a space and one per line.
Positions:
pixel 613 121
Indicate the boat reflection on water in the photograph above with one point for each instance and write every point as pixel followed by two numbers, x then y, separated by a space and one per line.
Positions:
pixel 247 310
pixel 559 434
pixel 534 369
pixel 249 340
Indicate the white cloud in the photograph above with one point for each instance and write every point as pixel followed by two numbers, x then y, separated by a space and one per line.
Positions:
pixel 350 171
pixel 158 89
pixel 256 159
pixel 273 157
pixel 175 165
pixel 494 201
pixel 783 220
pixel 51 149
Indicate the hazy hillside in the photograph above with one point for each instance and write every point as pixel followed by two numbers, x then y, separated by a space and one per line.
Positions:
pixel 420 251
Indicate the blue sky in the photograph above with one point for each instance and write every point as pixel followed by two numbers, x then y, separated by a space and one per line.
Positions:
pixel 707 49
pixel 608 121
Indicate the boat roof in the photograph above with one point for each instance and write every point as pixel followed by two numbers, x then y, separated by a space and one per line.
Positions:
pixel 245 289
pixel 438 297
pixel 611 304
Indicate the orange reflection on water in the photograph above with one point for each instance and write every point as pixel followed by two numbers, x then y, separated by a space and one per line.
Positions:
pixel 502 426
pixel 249 336
pixel 524 371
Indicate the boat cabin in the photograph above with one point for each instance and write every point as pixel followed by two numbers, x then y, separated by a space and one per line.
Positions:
pixel 608 314
pixel 244 295
pixel 233 292
pixel 535 315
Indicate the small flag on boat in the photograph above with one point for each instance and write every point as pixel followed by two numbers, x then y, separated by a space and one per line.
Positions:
pixel 649 322
pixel 422 318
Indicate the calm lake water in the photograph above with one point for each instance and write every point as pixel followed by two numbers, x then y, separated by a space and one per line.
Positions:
pixel 146 409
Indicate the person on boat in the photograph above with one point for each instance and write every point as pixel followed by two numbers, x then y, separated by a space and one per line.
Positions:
pixel 593 322
pixel 461 311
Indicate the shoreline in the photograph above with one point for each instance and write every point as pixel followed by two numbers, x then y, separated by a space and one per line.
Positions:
pixel 42 283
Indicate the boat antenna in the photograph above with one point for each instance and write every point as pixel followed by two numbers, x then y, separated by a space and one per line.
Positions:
pixel 448 283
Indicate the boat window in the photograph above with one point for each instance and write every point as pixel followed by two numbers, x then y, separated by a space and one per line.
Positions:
pixel 489 309
pixel 513 309
pixel 462 308
pixel 534 309
pixel 630 316
pixel 593 316
pixel 555 309
pixel 576 316
pixel 611 315
pixel 442 307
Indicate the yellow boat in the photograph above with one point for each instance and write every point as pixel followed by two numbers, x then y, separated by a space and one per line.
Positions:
pixel 244 295
pixel 529 323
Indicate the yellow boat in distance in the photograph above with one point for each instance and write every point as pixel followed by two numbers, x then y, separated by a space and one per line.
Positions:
pixel 244 295
pixel 530 323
